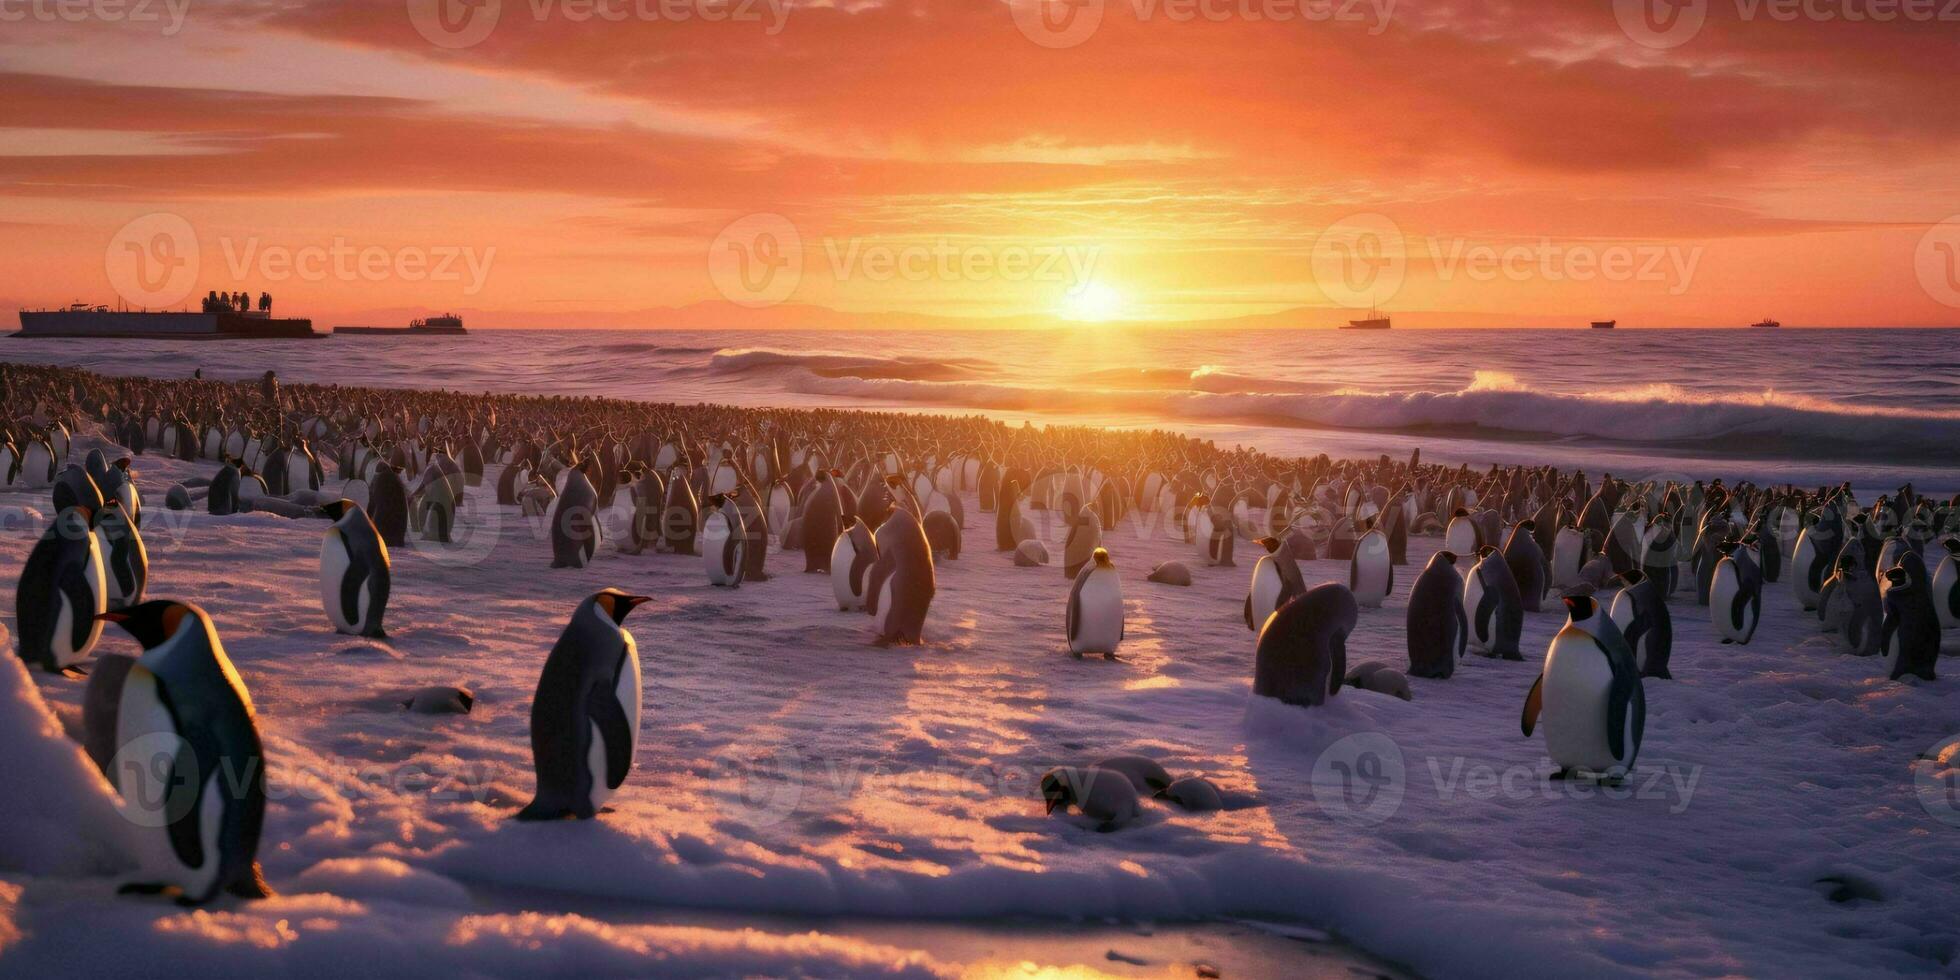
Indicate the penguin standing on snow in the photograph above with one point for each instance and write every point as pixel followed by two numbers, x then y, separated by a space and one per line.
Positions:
pixel 1589 697
pixel 1301 656
pixel 902 583
pixel 354 571
pixel 61 592
pixel 574 522
pixel 1095 608
pixel 1493 607
pixel 1910 634
pixel 1735 594
pixel 1275 579
pixel 724 542
pixel 585 717
pixel 1438 631
pixel 1640 611
pixel 198 788
pixel 1527 563
pixel 851 559
pixel 1371 576
pixel 1946 585
pixel 125 562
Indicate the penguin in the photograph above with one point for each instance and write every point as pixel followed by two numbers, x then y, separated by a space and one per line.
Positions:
pixel 1373 675
pixel 1194 793
pixel 388 505
pixel 1946 585
pixel 1735 594
pixel 1852 609
pixel 440 700
pixel 1570 552
pixel 943 534
pixel 1910 634
pixel 1463 536
pixel 1527 564
pixel 1094 618
pixel 901 584
pixel 61 592
pixel 125 562
pixel 1640 611
pixel 680 519
pixel 75 488
pixel 201 835
pixel 574 525
pixel 585 717
pixel 1103 796
pixel 1658 561
pixel 354 571
pixel 221 499
pixel 1275 579
pixel 850 564
pixel 781 502
pixel 1371 576
pixel 1813 560
pixel 1084 540
pixel 1493 608
pixel 1438 631
pixel 724 542
pixel 1589 696
pixel 1301 655
pixel 1170 573
pixel 1146 775
pixel 101 700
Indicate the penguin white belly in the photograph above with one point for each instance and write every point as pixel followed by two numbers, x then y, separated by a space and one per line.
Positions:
pixel 842 555
pixel 333 571
pixel 627 692
pixel 35 466
pixel 1721 602
pixel 1099 615
pixel 65 651
pixel 1473 596
pixel 1893 648
pixel 724 480
pixel 1578 683
pixel 1371 569
pixel 147 738
pixel 1266 586
pixel 1622 611
pixel 1946 588
pixel 714 536
pixel 1461 537
pixel 1801 558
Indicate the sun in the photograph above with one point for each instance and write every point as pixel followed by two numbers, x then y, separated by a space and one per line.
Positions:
pixel 1092 302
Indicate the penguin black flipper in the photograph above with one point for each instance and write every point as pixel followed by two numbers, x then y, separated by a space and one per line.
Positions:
pixel 1337 666
pixel 185 837
pixel 81 606
pixel 1736 607
pixel 350 584
pixel 1075 602
pixel 33 607
pixel 1462 630
pixel 1624 698
pixel 1248 615
pixel 1534 703
pixel 603 708
pixel 1486 617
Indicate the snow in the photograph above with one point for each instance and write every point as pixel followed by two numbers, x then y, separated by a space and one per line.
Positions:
pixel 788 767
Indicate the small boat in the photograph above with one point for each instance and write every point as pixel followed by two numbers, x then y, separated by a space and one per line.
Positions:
pixel 1604 324
pixel 1766 323
pixel 1374 321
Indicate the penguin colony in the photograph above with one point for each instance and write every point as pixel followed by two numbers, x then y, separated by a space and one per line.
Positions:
pixel 873 502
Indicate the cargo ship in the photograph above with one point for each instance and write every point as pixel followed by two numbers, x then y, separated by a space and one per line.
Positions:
pixel 1374 321
pixel 448 323
pixel 83 320
pixel 1766 323
pixel 1604 324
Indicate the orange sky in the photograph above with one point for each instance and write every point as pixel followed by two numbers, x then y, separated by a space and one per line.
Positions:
pixel 1534 162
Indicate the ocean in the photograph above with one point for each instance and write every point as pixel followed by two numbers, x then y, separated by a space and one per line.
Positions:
pixel 1876 407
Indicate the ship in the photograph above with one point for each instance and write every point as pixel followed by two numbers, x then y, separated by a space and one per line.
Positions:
pixel 1604 324
pixel 1374 321
pixel 1766 323
pixel 97 321
pixel 447 324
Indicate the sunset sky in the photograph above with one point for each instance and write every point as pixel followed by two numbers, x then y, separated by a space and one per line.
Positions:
pixel 1534 162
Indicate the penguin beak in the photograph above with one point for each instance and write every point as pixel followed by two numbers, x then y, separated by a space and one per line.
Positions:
pixel 111 617
pixel 634 601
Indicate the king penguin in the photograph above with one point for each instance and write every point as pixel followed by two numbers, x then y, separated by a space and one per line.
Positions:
pixel 585 717
pixel 724 541
pixel 1095 608
pixel 1735 595
pixel 354 571
pixel 61 592
pixel 851 559
pixel 1371 576
pixel 185 711
pixel 1438 630
pixel 902 582
pixel 1946 585
pixel 1589 696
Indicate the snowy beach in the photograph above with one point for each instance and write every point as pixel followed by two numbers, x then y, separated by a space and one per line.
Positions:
pixel 1781 820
